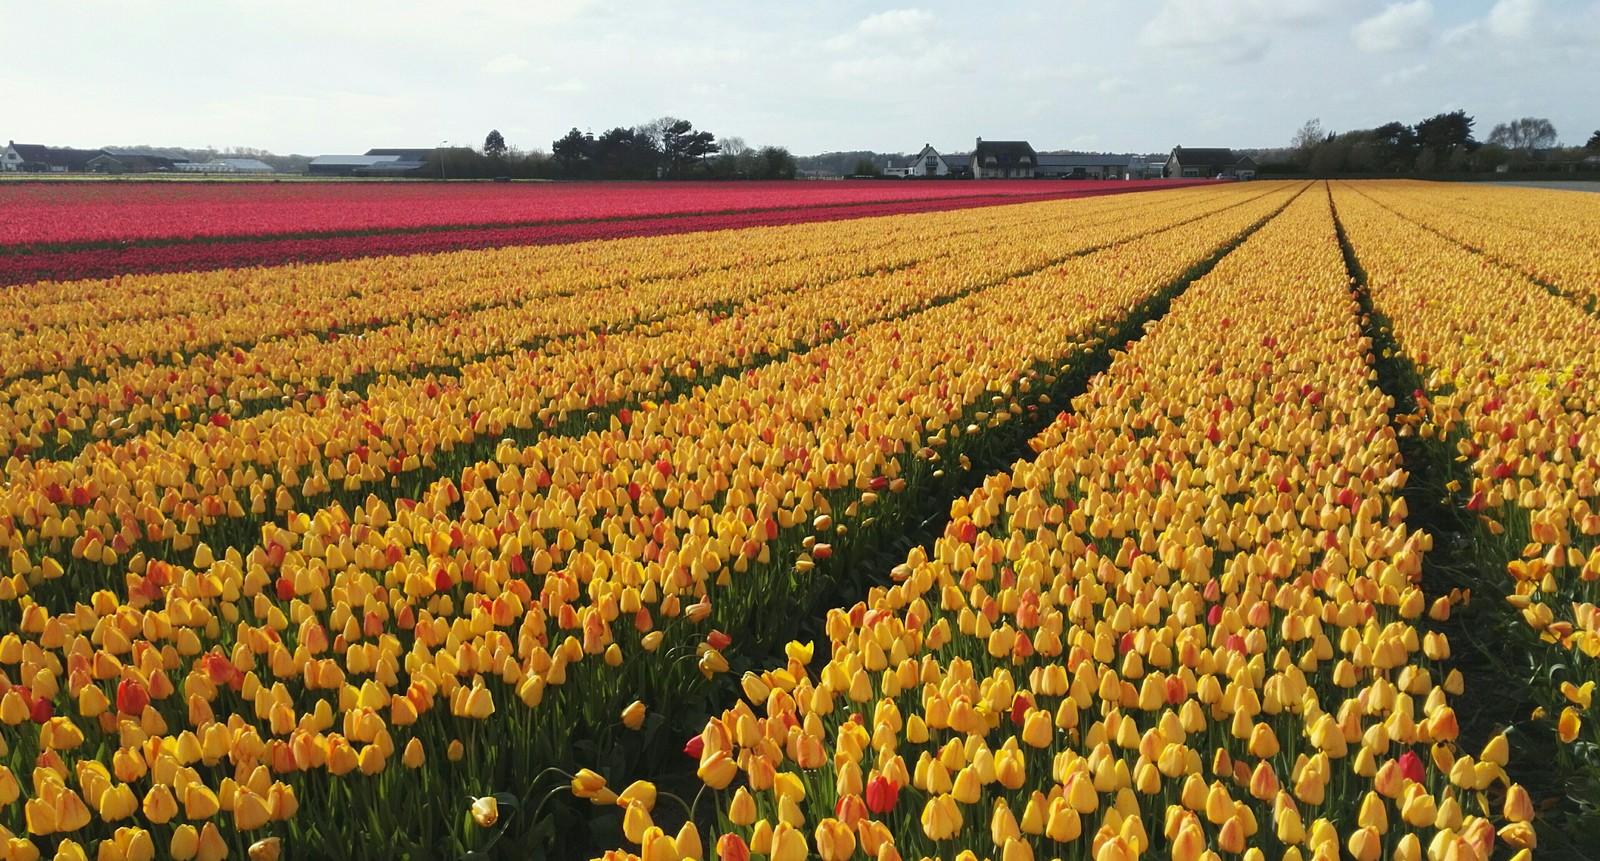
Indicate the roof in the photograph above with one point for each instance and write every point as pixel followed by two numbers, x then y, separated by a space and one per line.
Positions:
pixel 401 165
pixel 1004 151
pixel 957 160
pixel 1199 156
pixel 144 152
pixel 1049 160
pixel 352 160
pixel 408 154
pixel 243 163
pixel 55 155
pixel 31 152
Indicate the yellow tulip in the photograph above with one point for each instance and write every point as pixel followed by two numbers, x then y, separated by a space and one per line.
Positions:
pixel 642 792
pixel 486 811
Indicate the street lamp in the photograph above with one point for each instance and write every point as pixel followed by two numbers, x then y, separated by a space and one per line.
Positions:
pixel 443 146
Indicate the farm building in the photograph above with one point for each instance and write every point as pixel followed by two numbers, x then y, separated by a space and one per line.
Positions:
pixel 376 162
pixel 1083 166
pixel 1209 163
pixel 117 159
pixel 34 158
pixel 227 165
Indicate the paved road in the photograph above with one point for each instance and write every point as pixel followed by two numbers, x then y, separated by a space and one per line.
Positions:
pixel 1558 185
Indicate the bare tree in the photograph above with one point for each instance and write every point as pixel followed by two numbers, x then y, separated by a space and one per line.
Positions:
pixel 1526 134
pixel 1308 138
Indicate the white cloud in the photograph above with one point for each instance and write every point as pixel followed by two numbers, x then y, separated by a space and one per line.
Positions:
pixel 1230 30
pixel 570 85
pixel 505 64
pixel 1513 19
pixel 1398 27
pixel 1401 76
pixel 1462 33
pixel 884 27
pixel 885 49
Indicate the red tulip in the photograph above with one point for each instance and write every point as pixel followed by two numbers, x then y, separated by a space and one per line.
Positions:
pixel 1411 766
pixel 718 640
pixel 695 747
pixel 132 697
pixel 1019 708
pixel 882 794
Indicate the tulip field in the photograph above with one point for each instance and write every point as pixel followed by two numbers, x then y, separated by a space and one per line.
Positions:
pixel 75 229
pixel 1245 520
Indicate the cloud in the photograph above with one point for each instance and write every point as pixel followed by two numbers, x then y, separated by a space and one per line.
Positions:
pixel 1230 31
pixel 1401 76
pixel 506 64
pixel 1512 19
pixel 885 48
pixel 1398 27
pixel 882 27
pixel 570 85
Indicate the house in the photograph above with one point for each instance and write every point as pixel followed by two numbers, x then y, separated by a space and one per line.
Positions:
pixel 1209 163
pixel 1003 160
pixel 928 162
pixel 34 158
pixel 1052 166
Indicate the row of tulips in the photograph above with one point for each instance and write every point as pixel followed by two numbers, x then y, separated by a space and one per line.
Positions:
pixel 85 326
pixel 718 270
pixel 460 642
pixel 204 254
pixel 1551 238
pixel 1507 383
pixel 217 483
pixel 56 213
pixel 1190 629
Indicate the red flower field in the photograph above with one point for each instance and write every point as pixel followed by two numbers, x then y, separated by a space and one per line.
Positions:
pixel 60 230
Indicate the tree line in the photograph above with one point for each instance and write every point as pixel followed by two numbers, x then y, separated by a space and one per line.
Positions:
pixel 1442 143
pixel 666 148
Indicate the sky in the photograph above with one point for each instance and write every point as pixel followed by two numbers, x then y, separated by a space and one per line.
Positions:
pixel 343 76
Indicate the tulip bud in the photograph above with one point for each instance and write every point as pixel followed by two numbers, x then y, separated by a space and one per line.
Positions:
pixel 486 811
pixel 266 850
pixel 731 847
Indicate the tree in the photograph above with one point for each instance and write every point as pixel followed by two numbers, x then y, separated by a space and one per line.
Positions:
pixel 1394 146
pixel 682 146
pixel 865 167
pixel 573 152
pixel 494 146
pixel 1308 138
pixel 1442 133
pixel 1526 134
pixel 776 163
pixel 623 153
pixel 1594 141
